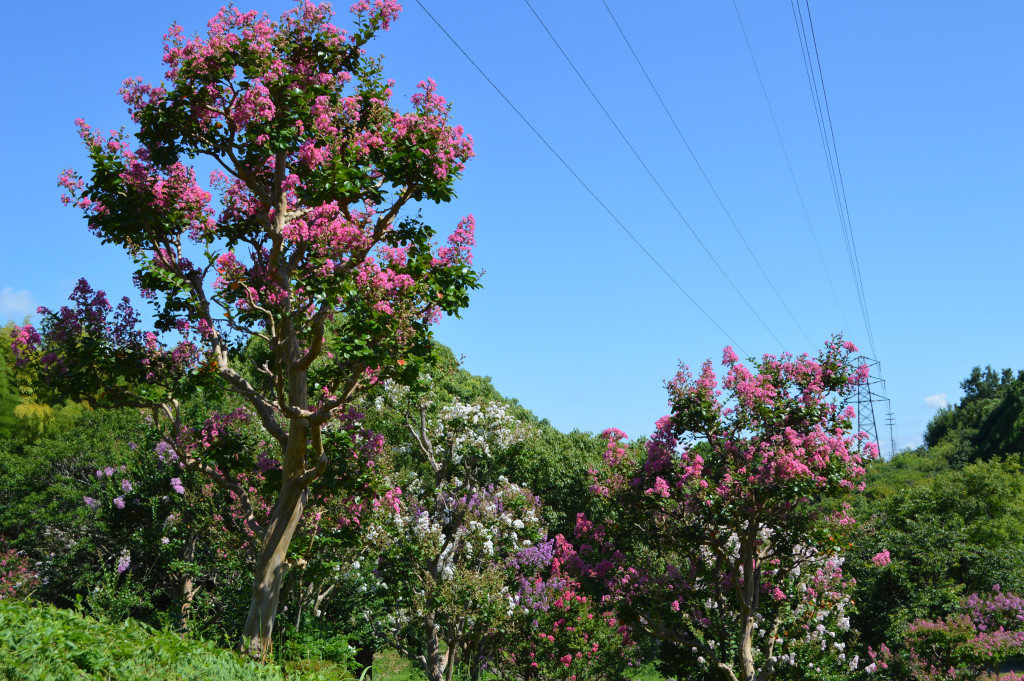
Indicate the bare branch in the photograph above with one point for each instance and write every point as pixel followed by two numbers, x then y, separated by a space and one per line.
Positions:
pixel 226 483
pixel 264 407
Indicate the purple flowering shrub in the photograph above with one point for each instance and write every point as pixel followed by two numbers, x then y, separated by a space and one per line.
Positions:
pixel 449 567
pixel 458 545
pixel 969 645
pixel 560 631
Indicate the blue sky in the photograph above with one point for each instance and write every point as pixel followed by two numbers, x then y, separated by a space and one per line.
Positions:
pixel 574 320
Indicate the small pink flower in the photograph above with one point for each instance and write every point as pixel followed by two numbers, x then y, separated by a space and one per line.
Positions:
pixel 881 559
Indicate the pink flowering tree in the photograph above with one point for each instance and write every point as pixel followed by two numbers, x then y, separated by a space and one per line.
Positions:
pixel 302 244
pixel 715 539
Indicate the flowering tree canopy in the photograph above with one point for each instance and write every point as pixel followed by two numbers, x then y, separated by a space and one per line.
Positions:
pixel 302 243
pixel 448 549
pixel 715 541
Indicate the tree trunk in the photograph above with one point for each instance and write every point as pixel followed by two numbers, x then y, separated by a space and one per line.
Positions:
pixel 270 569
pixel 186 587
pixel 749 592
pixel 747 672
pixel 364 657
pixel 471 654
pixel 271 565
pixel 435 665
pixel 450 659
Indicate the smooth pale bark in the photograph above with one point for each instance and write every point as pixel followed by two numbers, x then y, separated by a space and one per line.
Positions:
pixel 746 648
pixel 748 592
pixel 284 520
pixel 186 587
pixel 435 665
pixel 270 569
pixel 438 666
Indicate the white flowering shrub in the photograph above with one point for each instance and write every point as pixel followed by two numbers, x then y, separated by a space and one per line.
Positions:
pixel 448 549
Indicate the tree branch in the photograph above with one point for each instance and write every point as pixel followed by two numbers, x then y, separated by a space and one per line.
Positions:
pixel 226 483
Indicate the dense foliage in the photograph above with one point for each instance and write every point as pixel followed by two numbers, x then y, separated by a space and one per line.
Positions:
pixel 987 423
pixel 930 534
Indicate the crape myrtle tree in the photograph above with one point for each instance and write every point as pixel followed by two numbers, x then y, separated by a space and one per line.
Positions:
pixel 448 549
pixel 715 538
pixel 310 228
pixel 984 634
pixel 467 572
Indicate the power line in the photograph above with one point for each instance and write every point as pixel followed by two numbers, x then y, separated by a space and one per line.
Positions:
pixel 842 185
pixel 828 140
pixel 578 178
pixel 789 165
pixel 812 83
pixel 659 185
pixel 827 132
pixel 700 167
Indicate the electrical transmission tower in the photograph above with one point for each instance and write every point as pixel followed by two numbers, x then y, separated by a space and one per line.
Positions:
pixel 868 393
pixel 890 421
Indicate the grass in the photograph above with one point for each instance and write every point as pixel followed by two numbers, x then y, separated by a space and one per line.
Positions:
pixel 390 666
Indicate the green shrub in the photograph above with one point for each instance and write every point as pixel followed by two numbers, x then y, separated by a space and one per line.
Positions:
pixel 40 642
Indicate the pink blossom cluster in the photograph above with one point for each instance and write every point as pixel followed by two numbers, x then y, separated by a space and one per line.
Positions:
pixel 16 579
pixel 445 149
pixel 460 242
pixel 383 11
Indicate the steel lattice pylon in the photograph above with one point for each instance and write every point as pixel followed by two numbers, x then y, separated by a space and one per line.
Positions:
pixel 868 393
